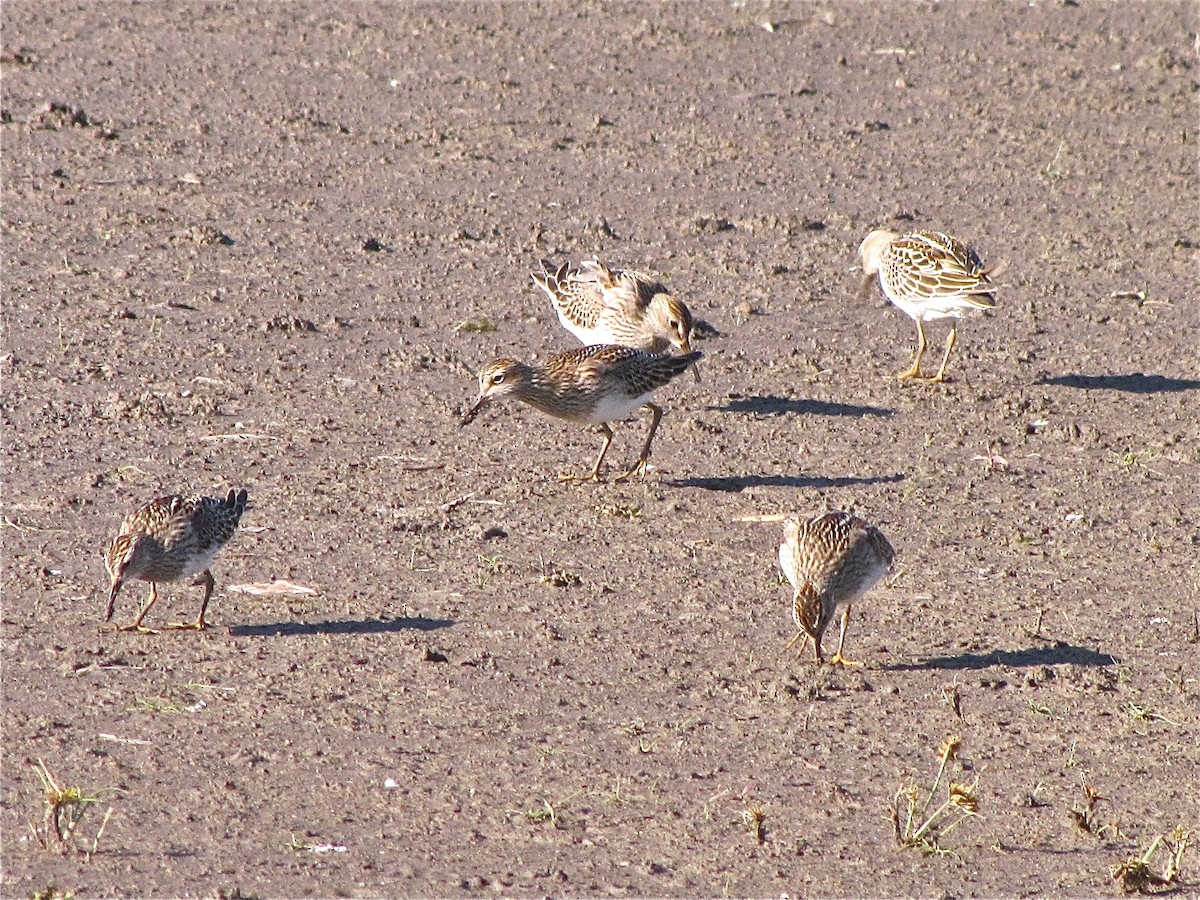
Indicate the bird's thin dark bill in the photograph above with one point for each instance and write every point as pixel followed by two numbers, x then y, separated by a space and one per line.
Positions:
pixel 471 413
pixel 685 349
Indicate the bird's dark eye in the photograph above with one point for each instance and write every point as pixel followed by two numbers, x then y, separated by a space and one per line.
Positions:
pixel 498 378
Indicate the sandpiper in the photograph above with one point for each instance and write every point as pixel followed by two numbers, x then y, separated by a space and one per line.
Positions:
pixel 593 385
pixel 168 539
pixel 830 560
pixel 603 305
pixel 929 275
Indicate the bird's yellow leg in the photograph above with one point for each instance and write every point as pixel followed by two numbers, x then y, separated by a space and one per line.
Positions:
pixel 594 475
pixel 837 659
pixel 205 579
pixel 914 371
pixel 800 636
pixel 137 625
pixel 640 466
pixel 950 342
pixel 140 629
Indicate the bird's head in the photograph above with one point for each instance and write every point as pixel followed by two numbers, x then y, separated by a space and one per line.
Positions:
pixel 497 379
pixel 870 251
pixel 120 557
pixel 673 320
pixel 870 255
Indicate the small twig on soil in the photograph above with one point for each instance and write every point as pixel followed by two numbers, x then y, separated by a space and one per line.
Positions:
pixel 456 502
pixel 246 436
pixel 121 470
pixel 270 588
pixel 422 462
pixel 108 814
pixel 299 846
pixel 120 740
pixel 765 517
pixel 1145 714
pixel 1036 633
pixel 118 666
pixel 953 696
pixel 9 523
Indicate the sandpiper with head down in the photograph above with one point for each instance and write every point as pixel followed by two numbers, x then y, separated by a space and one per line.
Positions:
pixel 929 275
pixel 169 539
pixel 600 304
pixel 830 560
pixel 593 385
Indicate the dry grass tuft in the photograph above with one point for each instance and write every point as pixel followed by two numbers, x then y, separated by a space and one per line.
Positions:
pixel 912 821
pixel 65 809
pixel 1135 875
pixel 754 817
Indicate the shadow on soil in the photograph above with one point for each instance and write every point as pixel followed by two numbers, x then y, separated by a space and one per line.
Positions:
pixel 364 626
pixel 1136 383
pixel 734 483
pixel 774 406
pixel 1057 655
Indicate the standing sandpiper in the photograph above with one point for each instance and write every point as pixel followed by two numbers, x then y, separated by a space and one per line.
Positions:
pixel 168 539
pixel 602 305
pixel 830 560
pixel 929 275
pixel 593 385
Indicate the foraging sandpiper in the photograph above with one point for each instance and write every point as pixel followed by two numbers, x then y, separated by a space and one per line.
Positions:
pixel 929 275
pixel 593 385
pixel 168 539
pixel 603 305
pixel 830 560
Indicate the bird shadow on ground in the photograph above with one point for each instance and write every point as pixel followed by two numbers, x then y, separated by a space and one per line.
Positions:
pixel 358 626
pixel 1137 383
pixel 771 405
pixel 1058 654
pixel 734 483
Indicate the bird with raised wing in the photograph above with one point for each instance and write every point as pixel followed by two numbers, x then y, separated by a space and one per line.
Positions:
pixel 600 304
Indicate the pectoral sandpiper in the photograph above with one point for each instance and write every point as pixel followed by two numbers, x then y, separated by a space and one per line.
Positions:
pixel 830 560
pixel 168 539
pixel 929 275
pixel 593 385
pixel 603 305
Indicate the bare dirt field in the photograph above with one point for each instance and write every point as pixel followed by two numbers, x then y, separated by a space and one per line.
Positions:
pixel 240 244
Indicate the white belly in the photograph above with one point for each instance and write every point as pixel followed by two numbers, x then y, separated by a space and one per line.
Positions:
pixel 587 336
pixel 933 308
pixel 199 563
pixel 614 407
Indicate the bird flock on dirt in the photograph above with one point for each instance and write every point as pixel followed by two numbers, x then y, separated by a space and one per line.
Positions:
pixel 637 338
